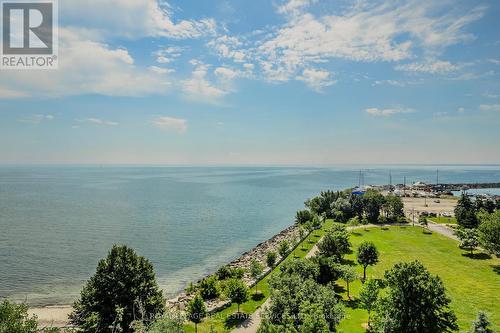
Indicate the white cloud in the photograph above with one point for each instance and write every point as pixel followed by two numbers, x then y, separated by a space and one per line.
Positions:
pixel 86 67
pixel 168 54
pixel 461 110
pixel 36 119
pixel 294 7
pixel 132 18
pixel 98 121
pixel 229 47
pixel 430 67
pixel 490 95
pixel 316 79
pixel 494 61
pixel 489 107
pixel 387 112
pixel 366 32
pixel 395 83
pixel 226 73
pixel 161 70
pixel 198 87
pixel 170 123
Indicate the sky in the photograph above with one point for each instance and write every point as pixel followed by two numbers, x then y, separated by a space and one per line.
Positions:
pixel 276 82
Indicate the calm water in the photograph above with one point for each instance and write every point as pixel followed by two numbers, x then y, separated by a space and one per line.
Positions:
pixel 57 222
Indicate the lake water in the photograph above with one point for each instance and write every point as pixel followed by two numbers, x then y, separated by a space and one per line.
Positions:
pixel 57 222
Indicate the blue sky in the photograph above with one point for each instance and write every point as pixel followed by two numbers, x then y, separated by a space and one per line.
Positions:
pixel 261 82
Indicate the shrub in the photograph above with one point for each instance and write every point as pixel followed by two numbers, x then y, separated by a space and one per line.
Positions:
pixel 209 288
pixel 271 259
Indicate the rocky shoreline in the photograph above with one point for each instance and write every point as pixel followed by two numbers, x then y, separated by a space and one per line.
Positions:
pixel 57 316
pixel 258 253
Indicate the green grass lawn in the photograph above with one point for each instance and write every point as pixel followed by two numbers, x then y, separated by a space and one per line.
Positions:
pixel 443 220
pixel 219 320
pixel 472 284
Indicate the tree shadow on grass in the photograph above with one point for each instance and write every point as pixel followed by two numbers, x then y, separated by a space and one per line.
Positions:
pixel 235 319
pixel 496 268
pixel 385 228
pixel 352 303
pixel 348 262
pixel 477 256
pixel 258 296
pixel 427 232
pixel 357 234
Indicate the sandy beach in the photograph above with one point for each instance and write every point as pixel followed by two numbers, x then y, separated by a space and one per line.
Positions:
pixel 52 316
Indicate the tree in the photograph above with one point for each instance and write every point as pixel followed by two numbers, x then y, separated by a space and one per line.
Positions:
pixel 342 210
pixel 335 244
pixel 123 282
pixel 271 259
pixel 14 318
pixel 298 301
pixel 283 248
pixel 481 324
pixel 372 203
pixel 196 311
pixel 489 232
pixel 422 220
pixel 303 216
pixel 465 212
pixel 416 302
pixel 256 270
pixel 328 269
pixel 348 275
pixel 237 291
pixel 468 239
pixel 367 256
pixel 393 207
pixel 368 297
pixel 209 288
pixel 302 234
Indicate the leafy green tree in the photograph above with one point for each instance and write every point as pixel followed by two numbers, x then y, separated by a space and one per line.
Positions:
pixel 348 275
pixel 297 300
pixel 302 235
pixel 322 204
pixel 335 244
pixel 416 302
pixel 422 220
pixel 303 216
pixel 237 291
pixel 367 256
pixel 271 259
pixel 469 239
pixel 357 206
pixel 256 270
pixel 224 272
pixel 489 232
pixel 465 212
pixel 14 318
pixel 481 324
pixel 368 297
pixel 283 248
pixel 342 210
pixel 123 282
pixel 372 203
pixel 196 311
pixel 208 288
pixel 393 207
pixel 313 318
pixel 328 269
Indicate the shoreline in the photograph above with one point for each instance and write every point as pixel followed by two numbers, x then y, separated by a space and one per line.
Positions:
pixel 57 315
